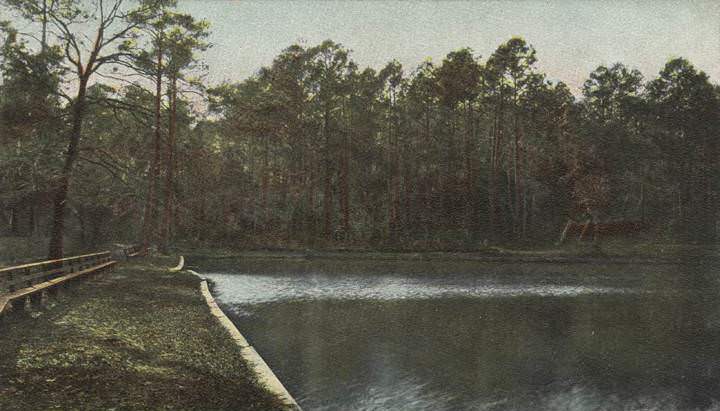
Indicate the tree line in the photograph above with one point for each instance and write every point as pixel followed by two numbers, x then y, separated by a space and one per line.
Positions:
pixel 314 150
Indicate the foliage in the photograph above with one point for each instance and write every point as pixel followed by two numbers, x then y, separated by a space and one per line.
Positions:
pixel 313 150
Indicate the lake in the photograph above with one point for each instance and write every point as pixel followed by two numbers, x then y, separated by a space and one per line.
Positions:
pixel 453 335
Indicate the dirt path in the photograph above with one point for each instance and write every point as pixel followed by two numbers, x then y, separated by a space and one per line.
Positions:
pixel 137 338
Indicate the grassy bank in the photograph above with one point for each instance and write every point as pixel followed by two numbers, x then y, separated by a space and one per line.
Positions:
pixel 136 338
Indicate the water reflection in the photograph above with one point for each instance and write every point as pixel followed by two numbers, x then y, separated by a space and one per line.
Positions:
pixel 483 337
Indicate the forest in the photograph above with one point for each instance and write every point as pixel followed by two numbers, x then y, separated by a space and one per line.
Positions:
pixel 109 132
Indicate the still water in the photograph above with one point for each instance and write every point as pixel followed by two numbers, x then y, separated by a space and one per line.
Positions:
pixel 353 335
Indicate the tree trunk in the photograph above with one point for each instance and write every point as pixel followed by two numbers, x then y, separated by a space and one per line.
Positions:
pixel 327 191
pixel 14 226
pixel 642 202
pixel 83 226
pixel 61 191
pixel 170 162
pixel 565 231
pixel 345 185
pixel 429 173
pixel 44 25
pixel 409 205
pixel 393 190
pixel 3 218
pixel 510 204
pixel 469 174
pixel 151 205
pixel 311 200
pixel 492 190
pixel 495 161
pixel 265 185
pixel 397 184
pixel 32 224
pixel 516 182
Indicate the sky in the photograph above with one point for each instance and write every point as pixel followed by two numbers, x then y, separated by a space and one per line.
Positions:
pixel 571 37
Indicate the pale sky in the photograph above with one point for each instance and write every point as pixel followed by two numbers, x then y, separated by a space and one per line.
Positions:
pixel 571 37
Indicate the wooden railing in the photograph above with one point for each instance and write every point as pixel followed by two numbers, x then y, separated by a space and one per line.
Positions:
pixel 133 251
pixel 26 280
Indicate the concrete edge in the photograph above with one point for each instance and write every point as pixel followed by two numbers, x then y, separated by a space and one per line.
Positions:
pixel 262 370
pixel 178 267
pixel 3 304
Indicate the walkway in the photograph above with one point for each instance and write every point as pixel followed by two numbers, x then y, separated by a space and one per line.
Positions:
pixel 137 338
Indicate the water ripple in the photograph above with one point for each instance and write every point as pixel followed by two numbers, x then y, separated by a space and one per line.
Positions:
pixel 257 289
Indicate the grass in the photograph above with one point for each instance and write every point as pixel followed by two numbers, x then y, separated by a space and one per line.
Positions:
pixel 137 338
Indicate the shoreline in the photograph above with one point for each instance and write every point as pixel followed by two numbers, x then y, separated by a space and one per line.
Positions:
pixel 436 256
pixel 262 370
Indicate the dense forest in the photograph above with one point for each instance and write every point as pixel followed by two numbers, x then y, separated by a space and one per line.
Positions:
pixel 108 132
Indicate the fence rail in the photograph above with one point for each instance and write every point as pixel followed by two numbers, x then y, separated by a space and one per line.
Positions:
pixel 24 281
pixel 133 251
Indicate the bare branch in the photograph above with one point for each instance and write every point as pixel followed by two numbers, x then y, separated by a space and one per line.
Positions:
pixel 107 168
pixel 110 58
pixel 70 41
pixel 115 103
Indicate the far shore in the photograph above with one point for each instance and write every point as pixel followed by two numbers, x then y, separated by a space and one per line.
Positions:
pixel 651 255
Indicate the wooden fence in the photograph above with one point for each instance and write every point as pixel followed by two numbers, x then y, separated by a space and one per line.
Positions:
pixel 24 281
pixel 134 251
